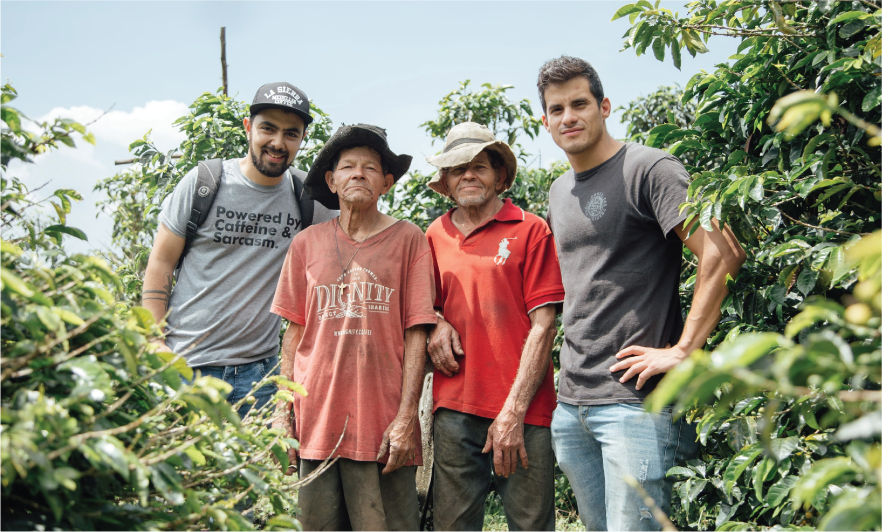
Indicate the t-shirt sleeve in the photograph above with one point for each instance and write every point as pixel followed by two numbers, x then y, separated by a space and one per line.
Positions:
pixel 420 295
pixel 176 207
pixel 439 299
pixel 291 292
pixel 542 281
pixel 665 190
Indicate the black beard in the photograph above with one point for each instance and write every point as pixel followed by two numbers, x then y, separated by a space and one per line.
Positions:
pixel 267 168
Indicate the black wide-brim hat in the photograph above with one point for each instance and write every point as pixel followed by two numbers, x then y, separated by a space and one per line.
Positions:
pixel 345 137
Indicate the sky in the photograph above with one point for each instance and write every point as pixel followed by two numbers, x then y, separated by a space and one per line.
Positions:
pixel 383 63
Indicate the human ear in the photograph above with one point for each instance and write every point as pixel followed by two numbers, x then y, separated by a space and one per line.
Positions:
pixel 501 176
pixel 329 179
pixel 605 108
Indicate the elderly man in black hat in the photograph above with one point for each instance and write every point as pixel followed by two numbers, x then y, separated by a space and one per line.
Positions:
pixel 358 292
pixel 218 313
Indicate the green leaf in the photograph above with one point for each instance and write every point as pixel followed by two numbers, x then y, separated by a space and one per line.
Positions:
pixel 68 316
pixel 848 15
pixel 282 456
pixel 657 135
pixel 850 29
pixel 625 11
pixel 11 281
pixel 744 350
pixel 675 54
pixel 822 474
pixel 291 385
pixel 180 363
pixel 66 229
pixel 872 100
pixel 779 490
pixel 805 283
pixel 737 466
pixel 658 48
pixel 781 448
pixel 671 386
pixel 680 471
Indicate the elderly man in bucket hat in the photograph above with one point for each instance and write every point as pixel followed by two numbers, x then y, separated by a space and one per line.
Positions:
pixel 358 292
pixel 498 285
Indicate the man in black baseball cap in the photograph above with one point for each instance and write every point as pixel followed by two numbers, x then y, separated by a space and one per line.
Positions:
pixel 282 96
pixel 219 316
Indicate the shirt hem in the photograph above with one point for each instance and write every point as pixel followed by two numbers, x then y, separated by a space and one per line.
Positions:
pixel 537 420
pixel 288 315
pixel 358 456
pixel 421 320
pixel 599 402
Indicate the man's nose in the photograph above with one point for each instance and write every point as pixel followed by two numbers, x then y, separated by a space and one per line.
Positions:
pixel 358 172
pixel 569 117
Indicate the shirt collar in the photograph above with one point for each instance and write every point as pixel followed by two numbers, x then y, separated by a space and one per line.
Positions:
pixel 509 212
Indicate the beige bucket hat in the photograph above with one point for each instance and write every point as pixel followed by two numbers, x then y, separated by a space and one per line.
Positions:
pixel 464 142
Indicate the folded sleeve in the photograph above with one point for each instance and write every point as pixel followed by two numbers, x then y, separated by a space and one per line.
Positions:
pixel 542 280
pixel 665 190
pixel 290 299
pixel 175 212
pixel 420 297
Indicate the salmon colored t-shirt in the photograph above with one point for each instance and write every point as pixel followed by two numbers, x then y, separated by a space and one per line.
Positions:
pixel 351 356
pixel 486 285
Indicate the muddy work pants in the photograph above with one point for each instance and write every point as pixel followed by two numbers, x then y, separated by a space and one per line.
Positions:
pixel 352 495
pixel 463 475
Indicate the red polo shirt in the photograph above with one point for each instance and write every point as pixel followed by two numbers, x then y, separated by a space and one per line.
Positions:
pixel 486 285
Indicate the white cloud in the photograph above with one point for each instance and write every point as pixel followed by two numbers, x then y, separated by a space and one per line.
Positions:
pixel 122 128
pixel 82 167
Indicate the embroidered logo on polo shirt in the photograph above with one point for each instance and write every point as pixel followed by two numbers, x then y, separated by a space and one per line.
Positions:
pixel 596 206
pixel 504 252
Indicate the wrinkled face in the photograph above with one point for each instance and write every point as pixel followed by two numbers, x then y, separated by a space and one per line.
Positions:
pixel 573 116
pixel 358 177
pixel 274 136
pixel 475 183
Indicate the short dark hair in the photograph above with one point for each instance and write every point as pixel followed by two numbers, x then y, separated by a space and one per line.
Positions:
pixel 336 159
pixel 496 161
pixel 563 69
pixel 252 114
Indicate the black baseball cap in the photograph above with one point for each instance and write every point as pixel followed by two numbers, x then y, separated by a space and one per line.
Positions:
pixel 283 96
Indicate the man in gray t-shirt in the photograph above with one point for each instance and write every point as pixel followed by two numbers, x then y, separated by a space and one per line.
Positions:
pixel 619 231
pixel 218 313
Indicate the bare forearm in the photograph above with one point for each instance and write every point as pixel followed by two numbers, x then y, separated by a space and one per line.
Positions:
pixel 710 290
pixel 289 350
pixel 414 367
pixel 157 288
pixel 535 359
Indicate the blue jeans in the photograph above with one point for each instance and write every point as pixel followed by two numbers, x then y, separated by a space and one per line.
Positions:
pixel 242 379
pixel 598 445
pixel 463 475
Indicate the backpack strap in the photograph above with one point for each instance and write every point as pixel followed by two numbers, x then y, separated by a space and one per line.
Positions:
pixel 207 182
pixel 306 204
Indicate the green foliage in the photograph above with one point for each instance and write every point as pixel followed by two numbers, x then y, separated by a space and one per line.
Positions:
pixel 663 107
pixel 97 431
pixel 21 144
pixel 411 199
pixel 134 226
pixel 788 423
pixel 490 107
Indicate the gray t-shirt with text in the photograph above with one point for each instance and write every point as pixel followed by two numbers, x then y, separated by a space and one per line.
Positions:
pixel 620 263
pixel 220 306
